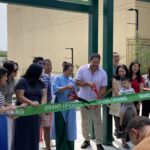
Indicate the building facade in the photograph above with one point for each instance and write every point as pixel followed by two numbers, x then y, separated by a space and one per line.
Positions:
pixel 47 32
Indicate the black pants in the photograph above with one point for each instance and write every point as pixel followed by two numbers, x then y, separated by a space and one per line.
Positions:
pixel 138 110
pixel 117 123
pixel 146 108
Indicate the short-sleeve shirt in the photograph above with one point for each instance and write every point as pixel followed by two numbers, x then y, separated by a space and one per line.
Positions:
pixel 146 81
pixel 99 77
pixel 1 100
pixel 48 82
pixel 124 91
pixel 8 90
pixel 136 85
pixel 114 70
pixel 33 93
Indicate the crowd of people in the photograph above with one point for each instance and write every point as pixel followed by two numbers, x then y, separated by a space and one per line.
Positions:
pixel 39 86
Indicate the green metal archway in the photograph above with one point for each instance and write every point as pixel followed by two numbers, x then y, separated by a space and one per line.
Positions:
pixel 89 7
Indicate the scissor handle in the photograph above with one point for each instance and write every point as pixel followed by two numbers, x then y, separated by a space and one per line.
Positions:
pixel 72 95
pixel 94 88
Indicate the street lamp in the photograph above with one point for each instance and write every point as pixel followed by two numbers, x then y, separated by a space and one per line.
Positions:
pixel 137 17
pixel 71 54
pixel 137 28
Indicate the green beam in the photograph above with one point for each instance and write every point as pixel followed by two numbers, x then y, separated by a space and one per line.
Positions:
pixel 86 2
pixel 107 64
pixel 93 45
pixel 53 4
pixel 93 28
pixel 147 1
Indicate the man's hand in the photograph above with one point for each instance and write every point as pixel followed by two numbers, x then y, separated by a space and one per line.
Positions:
pixel 91 84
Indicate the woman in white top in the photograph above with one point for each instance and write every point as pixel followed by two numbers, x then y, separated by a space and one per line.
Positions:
pixel 121 72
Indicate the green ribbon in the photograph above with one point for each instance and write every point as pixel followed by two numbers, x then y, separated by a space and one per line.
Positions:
pixel 55 107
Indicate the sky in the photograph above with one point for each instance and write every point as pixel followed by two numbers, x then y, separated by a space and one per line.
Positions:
pixel 3 27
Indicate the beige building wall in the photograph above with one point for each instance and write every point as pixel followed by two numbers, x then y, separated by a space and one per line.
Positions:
pixel 46 32
pixel 144 19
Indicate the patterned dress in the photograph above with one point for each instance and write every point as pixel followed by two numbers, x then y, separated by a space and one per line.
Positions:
pixel 3 127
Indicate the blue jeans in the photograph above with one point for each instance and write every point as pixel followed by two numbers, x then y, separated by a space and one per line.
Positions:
pixel 3 133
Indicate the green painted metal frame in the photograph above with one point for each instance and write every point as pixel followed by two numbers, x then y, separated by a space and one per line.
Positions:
pixel 52 4
pixel 93 46
pixel 147 1
pixel 92 10
pixel 107 64
pixel 93 28
pixel 86 2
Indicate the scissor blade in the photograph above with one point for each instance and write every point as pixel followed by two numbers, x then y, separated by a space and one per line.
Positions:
pixel 83 100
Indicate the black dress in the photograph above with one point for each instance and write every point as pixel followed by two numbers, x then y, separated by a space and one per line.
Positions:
pixel 27 128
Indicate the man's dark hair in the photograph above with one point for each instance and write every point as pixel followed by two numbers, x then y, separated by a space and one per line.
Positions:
pixel 37 59
pixel 125 79
pixel 95 56
pixel 138 122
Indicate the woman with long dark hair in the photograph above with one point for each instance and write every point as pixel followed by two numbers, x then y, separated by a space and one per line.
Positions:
pixel 32 91
pixel 65 121
pixel 3 109
pixel 146 104
pixel 137 82
pixel 8 91
pixel 121 72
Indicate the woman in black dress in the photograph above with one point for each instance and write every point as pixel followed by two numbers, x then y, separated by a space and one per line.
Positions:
pixel 32 91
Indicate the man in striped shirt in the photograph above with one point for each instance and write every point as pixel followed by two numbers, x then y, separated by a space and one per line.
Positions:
pixel 45 118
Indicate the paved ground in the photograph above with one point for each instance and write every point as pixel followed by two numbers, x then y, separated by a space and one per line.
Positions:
pixel 116 143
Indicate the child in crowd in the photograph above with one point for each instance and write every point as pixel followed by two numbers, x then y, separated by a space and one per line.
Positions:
pixel 126 89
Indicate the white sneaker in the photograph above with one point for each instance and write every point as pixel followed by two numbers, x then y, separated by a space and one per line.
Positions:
pixel 53 144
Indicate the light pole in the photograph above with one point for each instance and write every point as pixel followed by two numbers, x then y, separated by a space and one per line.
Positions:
pixel 137 17
pixel 137 34
pixel 71 54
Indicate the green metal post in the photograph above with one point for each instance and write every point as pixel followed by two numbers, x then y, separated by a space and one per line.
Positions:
pixel 107 64
pixel 93 28
pixel 93 45
pixel 52 4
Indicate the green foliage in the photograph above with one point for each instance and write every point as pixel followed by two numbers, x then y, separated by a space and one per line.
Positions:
pixel 3 54
pixel 142 54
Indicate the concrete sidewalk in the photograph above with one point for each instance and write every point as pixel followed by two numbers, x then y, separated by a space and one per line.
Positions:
pixel 78 142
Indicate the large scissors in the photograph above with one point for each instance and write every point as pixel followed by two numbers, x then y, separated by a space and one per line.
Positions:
pixel 73 96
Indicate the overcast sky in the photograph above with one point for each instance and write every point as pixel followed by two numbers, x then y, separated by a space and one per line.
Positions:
pixel 3 27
